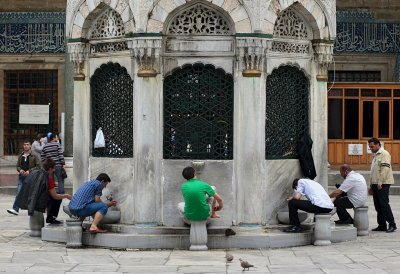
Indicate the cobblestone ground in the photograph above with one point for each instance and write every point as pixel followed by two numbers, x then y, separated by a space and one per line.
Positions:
pixel 19 253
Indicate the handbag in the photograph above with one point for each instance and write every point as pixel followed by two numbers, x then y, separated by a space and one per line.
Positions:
pixel 64 173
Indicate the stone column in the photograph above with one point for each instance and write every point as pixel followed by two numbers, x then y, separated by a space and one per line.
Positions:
pixel 249 127
pixel 323 53
pixel 81 148
pixel 147 129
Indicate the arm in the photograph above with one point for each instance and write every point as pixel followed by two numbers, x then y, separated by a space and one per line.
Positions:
pixel 19 164
pixel 220 202
pixel 384 169
pixel 57 196
pixel 336 193
pixel 296 196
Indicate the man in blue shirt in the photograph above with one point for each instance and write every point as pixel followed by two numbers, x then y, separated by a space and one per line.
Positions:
pixel 86 201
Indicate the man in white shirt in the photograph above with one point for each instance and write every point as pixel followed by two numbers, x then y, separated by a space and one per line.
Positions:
pixel 356 189
pixel 318 202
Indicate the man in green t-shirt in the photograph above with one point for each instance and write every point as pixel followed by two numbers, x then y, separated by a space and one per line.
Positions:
pixel 201 200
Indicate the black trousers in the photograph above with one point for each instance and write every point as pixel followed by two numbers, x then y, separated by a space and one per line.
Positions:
pixel 382 206
pixel 341 203
pixel 53 207
pixel 305 205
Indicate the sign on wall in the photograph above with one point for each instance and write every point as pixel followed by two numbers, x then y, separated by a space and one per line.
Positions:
pixel 355 149
pixel 34 114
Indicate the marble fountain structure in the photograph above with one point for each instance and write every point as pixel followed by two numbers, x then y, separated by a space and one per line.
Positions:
pixel 137 65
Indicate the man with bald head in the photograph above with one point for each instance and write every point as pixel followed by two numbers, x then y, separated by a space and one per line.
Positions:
pixel 355 186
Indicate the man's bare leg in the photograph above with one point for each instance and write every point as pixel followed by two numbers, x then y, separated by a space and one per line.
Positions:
pixel 96 220
pixel 213 206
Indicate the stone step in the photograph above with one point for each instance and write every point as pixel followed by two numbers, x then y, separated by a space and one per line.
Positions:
pixel 253 238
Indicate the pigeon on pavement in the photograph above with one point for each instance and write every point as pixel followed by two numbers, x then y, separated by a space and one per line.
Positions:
pixel 245 265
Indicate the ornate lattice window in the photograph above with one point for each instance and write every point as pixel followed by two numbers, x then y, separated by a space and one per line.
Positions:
pixel 198 113
pixel 112 110
pixel 199 19
pixel 291 25
pixel 286 117
pixel 108 25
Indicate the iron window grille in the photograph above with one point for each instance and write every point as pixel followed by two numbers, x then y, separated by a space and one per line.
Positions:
pixel 112 109
pixel 198 113
pixel 286 118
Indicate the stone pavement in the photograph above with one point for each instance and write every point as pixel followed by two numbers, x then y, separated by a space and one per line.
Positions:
pixel 19 253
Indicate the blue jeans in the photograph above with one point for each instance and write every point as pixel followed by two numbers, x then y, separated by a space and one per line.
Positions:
pixel 90 209
pixel 60 179
pixel 21 179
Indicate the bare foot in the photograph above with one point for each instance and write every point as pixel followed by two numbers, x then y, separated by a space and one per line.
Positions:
pixel 215 215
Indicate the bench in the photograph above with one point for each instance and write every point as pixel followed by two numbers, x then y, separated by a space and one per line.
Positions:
pixel 322 229
pixel 198 236
pixel 361 221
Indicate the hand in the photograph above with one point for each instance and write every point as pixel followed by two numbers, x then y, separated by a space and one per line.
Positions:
pixel 289 198
pixel 379 186
pixel 112 203
pixel 217 208
pixel 68 196
pixel 370 191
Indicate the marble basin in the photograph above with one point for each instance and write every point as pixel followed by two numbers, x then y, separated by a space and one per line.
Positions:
pixel 113 215
pixel 283 217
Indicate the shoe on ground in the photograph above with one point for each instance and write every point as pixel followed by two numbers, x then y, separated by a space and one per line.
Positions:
pixel 53 222
pixel 379 228
pixel 344 222
pixel 12 211
pixel 293 229
pixel 391 229
pixel 229 232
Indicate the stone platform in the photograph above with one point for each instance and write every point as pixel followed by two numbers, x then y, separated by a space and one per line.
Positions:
pixel 144 237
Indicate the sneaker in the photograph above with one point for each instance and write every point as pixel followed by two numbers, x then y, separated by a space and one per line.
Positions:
pixel 12 211
pixel 53 222
pixel 293 229
pixel 344 222
pixel 391 229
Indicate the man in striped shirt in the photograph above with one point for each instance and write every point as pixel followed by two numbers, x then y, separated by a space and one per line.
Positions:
pixel 52 150
pixel 86 201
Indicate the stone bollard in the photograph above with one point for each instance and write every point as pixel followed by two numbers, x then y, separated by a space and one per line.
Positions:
pixel 36 222
pixel 361 221
pixel 322 229
pixel 74 233
pixel 198 236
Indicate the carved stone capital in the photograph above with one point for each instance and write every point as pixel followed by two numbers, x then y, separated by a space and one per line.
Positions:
pixel 323 54
pixel 78 53
pixel 251 55
pixel 146 52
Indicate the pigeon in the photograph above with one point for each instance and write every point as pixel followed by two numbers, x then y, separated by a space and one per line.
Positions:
pixel 229 258
pixel 245 265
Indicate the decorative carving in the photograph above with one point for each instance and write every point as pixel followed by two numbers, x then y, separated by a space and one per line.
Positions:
pixel 109 47
pixel 146 51
pixel 251 55
pixel 291 47
pixel 290 25
pixel 108 25
pixel 78 55
pixel 323 53
pixel 199 19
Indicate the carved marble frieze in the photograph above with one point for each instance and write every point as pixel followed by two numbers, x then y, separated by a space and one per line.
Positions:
pixel 78 53
pixel 251 53
pixel 32 32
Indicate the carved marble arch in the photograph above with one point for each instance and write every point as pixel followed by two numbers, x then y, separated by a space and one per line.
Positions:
pixel 107 25
pixel 199 18
pixel 290 24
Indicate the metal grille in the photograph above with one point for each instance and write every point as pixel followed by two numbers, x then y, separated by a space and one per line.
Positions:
pixel 112 110
pixel 198 113
pixel 286 115
pixel 33 87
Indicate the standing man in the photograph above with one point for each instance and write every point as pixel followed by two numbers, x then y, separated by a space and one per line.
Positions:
pixel 318 202
pixel 52 150
pixel 86 201
pixel 381 179
pixel 27 162
pixel 355 187
pixel 201 200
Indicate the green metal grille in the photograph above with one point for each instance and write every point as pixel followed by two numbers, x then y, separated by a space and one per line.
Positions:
pixel 286 115
pixel 198 113
pixel 112 110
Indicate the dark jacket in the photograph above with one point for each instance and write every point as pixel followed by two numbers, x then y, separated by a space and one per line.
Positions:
pixel 34 193
pixel 304 146
pixel 34 162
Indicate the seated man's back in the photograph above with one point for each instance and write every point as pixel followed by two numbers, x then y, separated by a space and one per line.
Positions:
pixel 194 193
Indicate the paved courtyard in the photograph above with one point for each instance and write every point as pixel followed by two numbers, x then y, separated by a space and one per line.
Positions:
pixel 19 253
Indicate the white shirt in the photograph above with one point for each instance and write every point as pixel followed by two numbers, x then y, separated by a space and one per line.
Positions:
pixel 315 193
pixel 356 188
